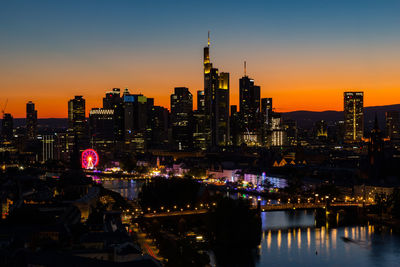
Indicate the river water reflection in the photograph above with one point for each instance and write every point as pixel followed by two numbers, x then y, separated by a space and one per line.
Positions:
pixel 290 238
pixel 129 189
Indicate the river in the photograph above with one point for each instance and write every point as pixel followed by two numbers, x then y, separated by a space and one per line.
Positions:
pixel 292 239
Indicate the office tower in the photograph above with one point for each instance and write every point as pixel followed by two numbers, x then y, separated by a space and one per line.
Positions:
pixel 354 116
pixel 278 135
pixel 181 119
pixel 393 125
pixel 61 150
pixel 216 99
pixel 112 98
pixel 290 129
pixel 200 136
pixel 135 121
pixel 31 120
pixel 266 117
pixel 200 100
pixel 222 116
pixel 77 123
pixel 159 127
pixel 321 130
pixel 249 100
pixel 336 132
pixel 48 147
pixel 7 127
pixel 114 101
pixel 266 111
pixel 101 130
pixel 234 125
pixel 249 103
pixel 101 122
pixel 149 129
pixel 376 153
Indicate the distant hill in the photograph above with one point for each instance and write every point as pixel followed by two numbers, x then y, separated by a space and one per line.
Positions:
pixel 304 118
pixel 44 123
pixel 307 119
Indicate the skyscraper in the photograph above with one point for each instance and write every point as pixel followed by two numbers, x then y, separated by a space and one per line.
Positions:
pixel 159 117
pixel 101 130
pixel 181 118
pixel 235 125
pixel 77 121
pixel 249 103
pixel 136 121
pixel 266 117
pixel 222 116
pixel 321 130
pixel 266 110
pixel 353 116
pixel 290 128
pixel 216 99
pixel 393 125
pixel 277 136
pixel 48 151
pixel 249 100
pixel 376 154
pixel 200 136
pixel 31 120
pixel 7 127
pixel 113 101
pixel 200 101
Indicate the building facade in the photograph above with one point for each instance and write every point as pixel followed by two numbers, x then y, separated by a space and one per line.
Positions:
pixel 354 116
pixel 77 125
pixel 7 127
pixel 182 119
pixel 31 120
pixel 216 103
pixel 393 125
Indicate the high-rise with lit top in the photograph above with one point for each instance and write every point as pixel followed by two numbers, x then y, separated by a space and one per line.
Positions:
pixel 216 100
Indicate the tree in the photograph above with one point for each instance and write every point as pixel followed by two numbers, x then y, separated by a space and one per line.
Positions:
pixel 128 163
pixel 197 172
pixel 396 203
pixel 295 186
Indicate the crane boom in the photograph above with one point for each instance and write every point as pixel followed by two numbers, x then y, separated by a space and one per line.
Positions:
pixel 3 110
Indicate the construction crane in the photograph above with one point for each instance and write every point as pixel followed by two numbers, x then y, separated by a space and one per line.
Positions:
pixel 3 109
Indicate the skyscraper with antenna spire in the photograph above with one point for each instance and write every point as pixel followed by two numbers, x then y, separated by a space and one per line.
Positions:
pixel 216 99
pixel 249 104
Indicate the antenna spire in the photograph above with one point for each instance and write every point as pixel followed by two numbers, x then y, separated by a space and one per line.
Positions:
pixel 208 38
pixel 245 68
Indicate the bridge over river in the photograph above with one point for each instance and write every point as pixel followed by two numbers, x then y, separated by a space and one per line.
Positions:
pixel 264 208
pixel 305 206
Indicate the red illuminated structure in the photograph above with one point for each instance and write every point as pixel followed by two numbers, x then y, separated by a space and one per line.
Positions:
pixel 89 159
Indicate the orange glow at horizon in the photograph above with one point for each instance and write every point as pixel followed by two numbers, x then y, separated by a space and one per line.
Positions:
pixel 294 82
pixel 283 100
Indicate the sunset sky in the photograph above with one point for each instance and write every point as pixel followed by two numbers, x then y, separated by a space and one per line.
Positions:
pixel 303 53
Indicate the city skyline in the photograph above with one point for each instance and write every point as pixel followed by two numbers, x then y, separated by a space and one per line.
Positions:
pixel 199 133
pixel 304 58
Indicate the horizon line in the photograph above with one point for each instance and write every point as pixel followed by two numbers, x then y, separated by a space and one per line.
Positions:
pixel 301 110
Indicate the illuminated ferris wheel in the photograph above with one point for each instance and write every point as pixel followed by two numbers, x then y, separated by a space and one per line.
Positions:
pixel 89 159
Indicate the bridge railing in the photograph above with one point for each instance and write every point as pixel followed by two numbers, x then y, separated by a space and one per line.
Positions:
pixel 289 206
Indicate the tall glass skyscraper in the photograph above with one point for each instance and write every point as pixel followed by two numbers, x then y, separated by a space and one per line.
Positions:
pixel 216 99
pixel 353 116
pixel 31 120
pixel 181 118
pixel 77 121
